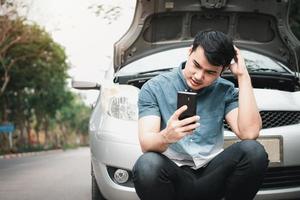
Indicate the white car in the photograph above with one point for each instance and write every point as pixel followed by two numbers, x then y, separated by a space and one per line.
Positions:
pixel 156 42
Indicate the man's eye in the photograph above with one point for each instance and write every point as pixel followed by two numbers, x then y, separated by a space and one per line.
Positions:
pixel 211 73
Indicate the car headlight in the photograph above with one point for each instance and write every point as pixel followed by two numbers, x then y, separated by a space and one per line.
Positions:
pixel 122 108
pixel 120 102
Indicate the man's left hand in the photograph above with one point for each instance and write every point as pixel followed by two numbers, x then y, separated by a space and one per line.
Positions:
pixel 238 68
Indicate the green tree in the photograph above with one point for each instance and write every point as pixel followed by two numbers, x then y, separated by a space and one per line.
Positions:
pixel 33 82
pixel 38 84
pixel 37 87
pixel 15 35
pixel 73 117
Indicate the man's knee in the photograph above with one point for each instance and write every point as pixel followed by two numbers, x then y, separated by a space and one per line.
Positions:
pixel 148 166
pixel 255 153
pixel 149 161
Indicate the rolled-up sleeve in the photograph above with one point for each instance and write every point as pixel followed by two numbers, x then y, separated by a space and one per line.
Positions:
pixel 231 99
pixel 147 102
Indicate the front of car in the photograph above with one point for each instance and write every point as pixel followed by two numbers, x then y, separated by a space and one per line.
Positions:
pixel 157 42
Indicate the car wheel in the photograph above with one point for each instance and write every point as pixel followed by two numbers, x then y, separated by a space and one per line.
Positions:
pixel 96 193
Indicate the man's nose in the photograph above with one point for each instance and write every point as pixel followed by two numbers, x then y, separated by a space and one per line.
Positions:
pixel 199 75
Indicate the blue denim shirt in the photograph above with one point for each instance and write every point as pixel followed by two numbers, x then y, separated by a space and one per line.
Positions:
pixel 158 96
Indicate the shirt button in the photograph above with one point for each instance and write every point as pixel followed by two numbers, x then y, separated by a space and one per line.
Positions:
pixel 191 140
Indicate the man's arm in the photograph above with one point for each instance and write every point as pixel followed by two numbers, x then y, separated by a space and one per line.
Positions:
pixel 149 134
pixel 245 120
pixel 153 139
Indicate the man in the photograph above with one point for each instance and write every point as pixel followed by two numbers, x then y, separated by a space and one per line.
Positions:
pixel 184 159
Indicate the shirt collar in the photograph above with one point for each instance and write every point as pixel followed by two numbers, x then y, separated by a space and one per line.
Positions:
pixel 181 76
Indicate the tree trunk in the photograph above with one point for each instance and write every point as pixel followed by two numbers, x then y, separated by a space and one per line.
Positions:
pixel 6 79
pixel 4 111
pixel 22 137
pixel 63 132
pixel 28 130
pixel 37 132
pixel 46 127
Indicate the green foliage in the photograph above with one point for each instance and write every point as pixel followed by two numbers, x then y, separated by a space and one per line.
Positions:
pixel 37 82
pixel 33 82
pixel 75 116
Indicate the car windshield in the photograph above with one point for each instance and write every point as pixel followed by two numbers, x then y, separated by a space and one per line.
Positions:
pixel 172 58
pixel 158 61
pixel 259 63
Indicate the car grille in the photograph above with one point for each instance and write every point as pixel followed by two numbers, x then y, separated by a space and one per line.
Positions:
pixel 271 119
pixel 281 177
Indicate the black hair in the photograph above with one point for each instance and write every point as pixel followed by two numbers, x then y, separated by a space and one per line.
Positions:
pixel 218 48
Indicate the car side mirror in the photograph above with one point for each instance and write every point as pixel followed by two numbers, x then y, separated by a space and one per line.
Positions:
pixel 85 85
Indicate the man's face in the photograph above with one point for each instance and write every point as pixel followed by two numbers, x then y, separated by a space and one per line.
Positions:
pixel 198 72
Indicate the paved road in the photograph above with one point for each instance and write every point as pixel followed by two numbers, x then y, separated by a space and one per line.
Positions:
pixel 56 176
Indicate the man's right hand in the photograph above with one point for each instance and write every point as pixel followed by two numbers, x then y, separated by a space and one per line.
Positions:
pixel 177 129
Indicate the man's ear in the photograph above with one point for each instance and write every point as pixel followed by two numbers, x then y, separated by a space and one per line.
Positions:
pixel 190 50
pixel 224 68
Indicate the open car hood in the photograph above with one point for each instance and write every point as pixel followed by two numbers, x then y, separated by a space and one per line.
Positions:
pixel 257 25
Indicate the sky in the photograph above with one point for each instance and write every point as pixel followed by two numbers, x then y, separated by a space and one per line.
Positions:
pixel 87 37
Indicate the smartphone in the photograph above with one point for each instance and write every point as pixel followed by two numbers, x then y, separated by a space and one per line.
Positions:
pixel 189 99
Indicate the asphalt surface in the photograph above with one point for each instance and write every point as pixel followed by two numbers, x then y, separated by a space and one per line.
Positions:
pixel 60 175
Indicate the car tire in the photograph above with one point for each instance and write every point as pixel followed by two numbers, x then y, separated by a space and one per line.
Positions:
pixel 96 193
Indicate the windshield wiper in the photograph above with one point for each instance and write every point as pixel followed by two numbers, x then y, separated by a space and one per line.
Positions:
pixel 157 70
pixel 140 74
pixel 264 70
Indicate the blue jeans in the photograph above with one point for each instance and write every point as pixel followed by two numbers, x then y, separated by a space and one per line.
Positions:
pixel 235 174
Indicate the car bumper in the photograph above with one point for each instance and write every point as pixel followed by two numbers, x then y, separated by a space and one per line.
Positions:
pixel 288 194
pixel 124 155
pixel 109 189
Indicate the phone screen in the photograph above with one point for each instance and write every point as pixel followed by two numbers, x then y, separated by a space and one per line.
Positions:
pixel 189 99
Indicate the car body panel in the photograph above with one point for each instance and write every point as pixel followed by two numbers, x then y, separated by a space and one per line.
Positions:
pixel 276 99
